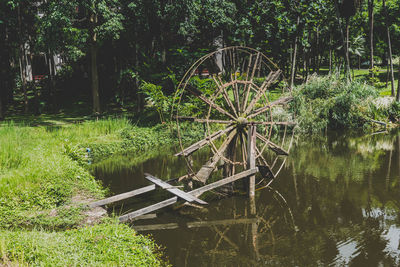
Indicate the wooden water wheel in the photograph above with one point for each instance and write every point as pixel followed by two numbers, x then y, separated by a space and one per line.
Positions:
pixel 233 93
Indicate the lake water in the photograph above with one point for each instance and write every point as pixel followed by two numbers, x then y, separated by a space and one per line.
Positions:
pixel 336 202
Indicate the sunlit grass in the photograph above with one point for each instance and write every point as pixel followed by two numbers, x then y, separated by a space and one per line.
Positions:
pixel 108 244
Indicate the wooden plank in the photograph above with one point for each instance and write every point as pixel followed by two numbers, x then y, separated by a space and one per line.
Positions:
pixel 197 192
pixel 146 217
pixel 196 146
pixel 153 227
pixel 122 196
pixel 148 209
pixel 175 191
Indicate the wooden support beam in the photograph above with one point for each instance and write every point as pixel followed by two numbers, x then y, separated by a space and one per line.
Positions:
pixel 175 191
pixel 197 192
pixel 251 157
pixel 122 196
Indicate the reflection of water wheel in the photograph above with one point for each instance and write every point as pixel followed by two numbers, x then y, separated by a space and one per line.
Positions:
pixel 233 85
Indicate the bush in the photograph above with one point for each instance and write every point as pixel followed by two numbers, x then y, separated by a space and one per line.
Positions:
pixel 326 102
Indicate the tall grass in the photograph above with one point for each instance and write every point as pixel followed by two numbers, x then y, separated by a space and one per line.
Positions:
pixel 327 102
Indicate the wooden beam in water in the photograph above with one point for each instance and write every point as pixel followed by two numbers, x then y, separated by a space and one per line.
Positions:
pixel 148 209
pixel 175 191
pixel 197 192
pixel 122 196
pixel 195 224
pixel 222 222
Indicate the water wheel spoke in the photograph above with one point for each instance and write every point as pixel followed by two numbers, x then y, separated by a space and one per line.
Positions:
pixel 248 87
pixel 280 101
pixel 264 168
pixel 244 148
pixel 204 173
pixel 234 85
pixel 201 120
pixel 286 123
pixel 274 147
pixel 271 78
pixel 209 102
pixel 225 94
pixel 196 146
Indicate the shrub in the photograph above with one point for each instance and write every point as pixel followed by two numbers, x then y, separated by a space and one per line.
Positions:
pixel 326 102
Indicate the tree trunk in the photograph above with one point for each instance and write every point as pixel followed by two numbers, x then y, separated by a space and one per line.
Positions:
pixel 318 52
pixel 22 61
pixel 52 87
pixel 389 48
pixel 330 55
pixel 344 39
pixel 93 64
pixel 371 33
pixel 347 49
pixel 398 87
pixel 293 72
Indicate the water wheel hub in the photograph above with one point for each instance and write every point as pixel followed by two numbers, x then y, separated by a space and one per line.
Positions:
pixel 242 122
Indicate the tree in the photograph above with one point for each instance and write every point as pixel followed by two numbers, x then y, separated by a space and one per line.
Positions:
pixel 82 26
pixel 371 33
pixel 389 47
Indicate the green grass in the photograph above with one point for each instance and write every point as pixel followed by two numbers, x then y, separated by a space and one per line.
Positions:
pixel 43 165
pixel 107 244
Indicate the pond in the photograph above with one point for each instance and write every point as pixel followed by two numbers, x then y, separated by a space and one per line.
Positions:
pixel 336 202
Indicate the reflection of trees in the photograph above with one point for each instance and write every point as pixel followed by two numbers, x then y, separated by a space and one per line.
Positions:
pixel 371 245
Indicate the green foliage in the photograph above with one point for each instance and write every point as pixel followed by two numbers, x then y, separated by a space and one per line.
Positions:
pixel 373 78
pixel 394 112
pixel 327 102
pixel 156 98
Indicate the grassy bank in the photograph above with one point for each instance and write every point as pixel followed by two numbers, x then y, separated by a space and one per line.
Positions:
pixel 44 181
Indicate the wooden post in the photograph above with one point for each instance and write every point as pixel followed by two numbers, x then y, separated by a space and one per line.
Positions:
pixel 251 157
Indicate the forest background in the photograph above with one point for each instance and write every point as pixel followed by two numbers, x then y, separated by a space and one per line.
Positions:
pixel 113 55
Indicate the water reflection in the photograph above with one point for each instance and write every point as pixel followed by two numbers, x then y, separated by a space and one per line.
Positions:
pixel 336 202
